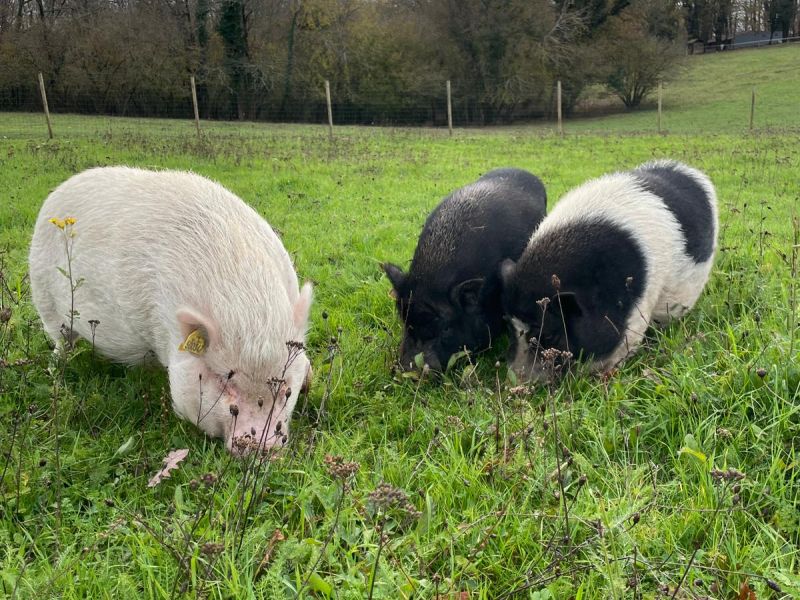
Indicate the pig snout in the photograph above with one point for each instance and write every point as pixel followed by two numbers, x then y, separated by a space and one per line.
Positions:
pixel 251 432
pixel 409 354
pixel 527 367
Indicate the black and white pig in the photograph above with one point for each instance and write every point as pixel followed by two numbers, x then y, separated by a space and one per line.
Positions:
pixel 614 255
pixel 450 298
pixel 174 265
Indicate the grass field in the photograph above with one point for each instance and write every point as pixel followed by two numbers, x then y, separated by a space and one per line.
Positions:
pixel 713 93
pixel 677 476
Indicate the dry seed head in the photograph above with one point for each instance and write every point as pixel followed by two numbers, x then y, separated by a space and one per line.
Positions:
pixel 727 475
pixel 389 497
pixel 211 548
pixel 454 421
pixel 339 469
pixel 774 586
pixel 519 390
pixel 245 443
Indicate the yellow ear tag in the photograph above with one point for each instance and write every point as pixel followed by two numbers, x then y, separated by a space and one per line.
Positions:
pixel 194 343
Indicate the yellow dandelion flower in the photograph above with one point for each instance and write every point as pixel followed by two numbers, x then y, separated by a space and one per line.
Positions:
pixel 60 223
pixel 70 221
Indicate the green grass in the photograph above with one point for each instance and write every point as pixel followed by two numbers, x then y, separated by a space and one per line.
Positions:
pixel 718 390
pixel 712 92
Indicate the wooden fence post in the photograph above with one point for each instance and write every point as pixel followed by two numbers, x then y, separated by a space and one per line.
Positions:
pixel 194 103
pixel 752 108
pixel 330 110
pixel 558 103
pixel 46 109
pixel 659 107
pixel 449 109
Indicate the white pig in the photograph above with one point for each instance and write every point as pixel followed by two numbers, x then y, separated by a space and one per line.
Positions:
pixel 174 265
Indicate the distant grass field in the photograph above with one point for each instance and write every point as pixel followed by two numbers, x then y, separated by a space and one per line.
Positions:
pixel 644 455
pixel 712 92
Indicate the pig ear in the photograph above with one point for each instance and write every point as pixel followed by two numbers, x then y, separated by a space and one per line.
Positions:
pixel 396 277
pixel 569 305
pixel 506 270
pixel 198 331
pixel 302 307
pixel 467 294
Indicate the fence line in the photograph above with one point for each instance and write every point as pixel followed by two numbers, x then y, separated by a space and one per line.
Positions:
pixel 330 113
pixel 756 43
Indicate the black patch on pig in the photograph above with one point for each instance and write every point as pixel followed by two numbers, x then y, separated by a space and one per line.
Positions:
pixel 687 201
pixel 450 299
pixel 602 272
pixel 520 179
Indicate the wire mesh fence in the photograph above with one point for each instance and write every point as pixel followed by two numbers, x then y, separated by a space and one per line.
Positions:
pixel 196 103
pixel 433 112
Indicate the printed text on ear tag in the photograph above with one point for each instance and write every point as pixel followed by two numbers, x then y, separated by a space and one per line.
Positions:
pixel 194 343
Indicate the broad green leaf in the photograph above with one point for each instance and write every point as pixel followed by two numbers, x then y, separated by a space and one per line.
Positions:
pixel 125 447
pixel 455 358
pixel 692 452
pixel 318 584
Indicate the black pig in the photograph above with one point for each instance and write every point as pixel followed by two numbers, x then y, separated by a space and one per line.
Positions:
pixel 450 298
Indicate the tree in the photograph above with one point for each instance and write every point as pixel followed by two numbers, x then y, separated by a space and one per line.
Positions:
pixel 639 47
pixel 780 15
pixel 594 12
pixel 233 29
pixel 710 19
pixel 505 54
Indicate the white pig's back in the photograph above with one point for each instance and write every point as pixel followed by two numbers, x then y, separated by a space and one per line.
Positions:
pixel 149 242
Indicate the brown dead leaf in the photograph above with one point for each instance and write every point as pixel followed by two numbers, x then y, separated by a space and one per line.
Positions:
pixel 276 538
pixel 171 462
pixel 745 593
